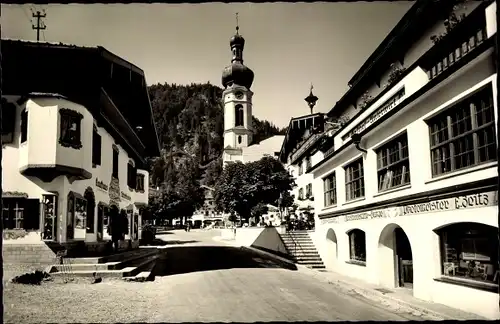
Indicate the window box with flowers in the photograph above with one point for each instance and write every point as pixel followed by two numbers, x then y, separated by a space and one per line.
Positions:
pixel 366 99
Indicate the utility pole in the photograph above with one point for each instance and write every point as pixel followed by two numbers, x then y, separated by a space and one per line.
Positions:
pixel 39 23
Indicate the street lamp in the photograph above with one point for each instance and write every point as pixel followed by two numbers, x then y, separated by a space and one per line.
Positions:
pixel 311 99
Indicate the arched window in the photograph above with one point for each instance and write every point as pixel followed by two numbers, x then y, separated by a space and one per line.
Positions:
pixel 239 139
pixel 239 115
pixel 470 251
pixel 357 245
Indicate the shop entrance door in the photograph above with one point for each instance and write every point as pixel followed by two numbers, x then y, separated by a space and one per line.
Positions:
pixel 404 259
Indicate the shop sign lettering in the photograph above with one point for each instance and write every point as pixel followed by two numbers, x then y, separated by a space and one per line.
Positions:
pixel 101 185
pixel 457 203
pixel 125 196
pixel 484 199
pixel 374 214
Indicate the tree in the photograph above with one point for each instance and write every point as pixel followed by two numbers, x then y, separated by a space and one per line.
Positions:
pixel 241 187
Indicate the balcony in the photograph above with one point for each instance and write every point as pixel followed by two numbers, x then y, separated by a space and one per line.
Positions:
pixel 453 47
pixel 305 146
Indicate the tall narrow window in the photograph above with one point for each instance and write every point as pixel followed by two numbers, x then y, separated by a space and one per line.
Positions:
pixel 70 128
pixel 301 193
pixel 239 115
pixel 131 175
pixel 355 182
pixel 96 148
pixel 464 135
pixel 301 167
pixel 140 183
pixel 308 163
pixel 393 164
pixel 309 193
pixel 115 162
pixel 8 121
pixel 24 125
pixel 330 190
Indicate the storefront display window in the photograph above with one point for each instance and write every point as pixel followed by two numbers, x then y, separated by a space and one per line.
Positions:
pixel 470 251
pixel 49 217
pixel 357 245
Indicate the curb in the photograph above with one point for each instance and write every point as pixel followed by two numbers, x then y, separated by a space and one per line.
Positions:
pixel 368 293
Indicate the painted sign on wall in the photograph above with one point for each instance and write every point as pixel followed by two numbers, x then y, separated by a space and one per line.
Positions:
pixel 483 199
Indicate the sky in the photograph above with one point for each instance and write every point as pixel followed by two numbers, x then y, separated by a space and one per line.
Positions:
pixel 288 45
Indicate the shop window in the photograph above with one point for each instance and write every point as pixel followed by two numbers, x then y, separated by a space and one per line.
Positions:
pixel 239 115
pixel 139 183
pixel 21 213
pixel 470 251
pixel 355 183
pixel 301 193
pixel 357 245
pixel 70 128
pixel 330 190
pixel 24 126
pixel 96 148
pixel 464 135
pixel 115 162
pixel 393 164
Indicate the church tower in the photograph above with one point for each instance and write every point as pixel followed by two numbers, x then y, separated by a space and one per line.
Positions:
pixel 237 97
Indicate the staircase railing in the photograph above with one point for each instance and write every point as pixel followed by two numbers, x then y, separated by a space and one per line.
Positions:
pixel 295 244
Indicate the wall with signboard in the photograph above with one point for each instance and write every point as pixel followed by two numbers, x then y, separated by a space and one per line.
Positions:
pixel 419 222
pixel 411 121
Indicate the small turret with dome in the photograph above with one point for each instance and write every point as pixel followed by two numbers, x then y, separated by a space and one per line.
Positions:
pixel 237 73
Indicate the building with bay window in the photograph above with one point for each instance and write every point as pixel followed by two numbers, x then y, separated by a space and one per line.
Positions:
pixel 76 127
pixel 406 195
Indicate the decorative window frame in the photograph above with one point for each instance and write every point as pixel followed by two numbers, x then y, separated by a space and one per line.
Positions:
pixel 64 113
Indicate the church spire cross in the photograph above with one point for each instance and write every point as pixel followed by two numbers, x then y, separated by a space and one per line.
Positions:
pixel 237 25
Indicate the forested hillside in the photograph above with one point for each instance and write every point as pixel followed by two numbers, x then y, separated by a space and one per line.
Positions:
pixel 190 124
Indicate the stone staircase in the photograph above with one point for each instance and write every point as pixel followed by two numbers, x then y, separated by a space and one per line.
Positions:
pixel 128 264
pixel 302 250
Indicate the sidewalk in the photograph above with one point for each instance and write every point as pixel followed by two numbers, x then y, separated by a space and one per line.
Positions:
pixel 398 299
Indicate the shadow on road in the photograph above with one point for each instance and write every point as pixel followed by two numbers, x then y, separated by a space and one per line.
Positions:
pixel 159 242
pixel 186 259
pixel 163 232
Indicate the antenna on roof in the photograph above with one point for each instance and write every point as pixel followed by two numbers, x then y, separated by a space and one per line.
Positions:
pixel 40 25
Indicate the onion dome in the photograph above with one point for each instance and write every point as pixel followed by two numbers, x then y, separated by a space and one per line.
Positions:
pixel 237 73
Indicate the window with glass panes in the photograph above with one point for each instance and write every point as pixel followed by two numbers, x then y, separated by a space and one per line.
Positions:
pixel 393 164
pixel 355 183
pixel 301 193
pixel 464 135
pixel 330 190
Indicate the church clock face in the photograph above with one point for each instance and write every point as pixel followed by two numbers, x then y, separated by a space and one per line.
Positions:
pixel 238 95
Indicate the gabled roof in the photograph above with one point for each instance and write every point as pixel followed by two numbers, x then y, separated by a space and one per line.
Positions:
pixel 80 73
pixel 291 130
pixel 419 18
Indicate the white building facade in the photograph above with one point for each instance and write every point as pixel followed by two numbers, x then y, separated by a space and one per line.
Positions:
pixel 67 164
pixel 408 195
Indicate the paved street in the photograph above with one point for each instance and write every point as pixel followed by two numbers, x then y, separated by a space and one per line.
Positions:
pixel 244 286
pixel 198 279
